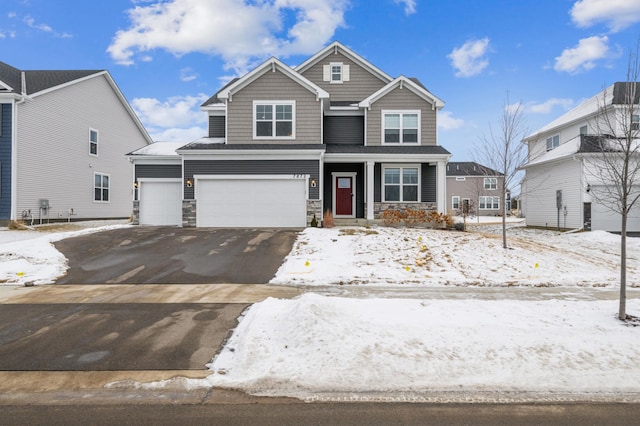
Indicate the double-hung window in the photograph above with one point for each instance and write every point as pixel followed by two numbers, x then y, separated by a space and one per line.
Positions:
pixel 553 142
pixel 100 187
pixel 93 142
pixel 455 202
pixel 489 203
pixel 401 183
pixel 274 120
pixel 490 183
pixel 401 127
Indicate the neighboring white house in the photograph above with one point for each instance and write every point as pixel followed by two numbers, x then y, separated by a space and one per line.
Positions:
pixel 63 140
pixel 562 187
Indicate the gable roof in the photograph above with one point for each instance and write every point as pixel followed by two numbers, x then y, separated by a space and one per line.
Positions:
pixel 215 100
pixel 469 168
pixel 268 66
pixel 408 83
pixel 337 46
pixel 615 94
pixel 36 81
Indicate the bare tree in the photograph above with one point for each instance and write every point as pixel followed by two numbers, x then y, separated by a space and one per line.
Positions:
pixel 613 169
pixel 503 151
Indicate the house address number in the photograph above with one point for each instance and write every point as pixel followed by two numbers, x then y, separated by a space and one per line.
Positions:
pixel 295 176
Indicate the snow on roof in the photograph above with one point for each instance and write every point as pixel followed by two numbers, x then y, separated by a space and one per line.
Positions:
pixel 159 148
pixel 585 109
pixel 565 150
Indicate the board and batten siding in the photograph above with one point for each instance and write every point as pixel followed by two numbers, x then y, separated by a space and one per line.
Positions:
pixel 274 86
pixel 401 99
pixel 542 182
pixel 54 162
pixel 361 82
pixel 253 167
pixel 5 161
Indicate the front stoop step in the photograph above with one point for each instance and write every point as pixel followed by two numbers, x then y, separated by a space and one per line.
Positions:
pixel 354 222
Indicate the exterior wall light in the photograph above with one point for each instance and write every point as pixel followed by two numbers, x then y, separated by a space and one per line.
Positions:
pixel 189 183
pixel 135 185
pixel 314 183
pixel 588 187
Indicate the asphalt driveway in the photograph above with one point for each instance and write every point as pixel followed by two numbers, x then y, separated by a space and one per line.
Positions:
pixel 170 255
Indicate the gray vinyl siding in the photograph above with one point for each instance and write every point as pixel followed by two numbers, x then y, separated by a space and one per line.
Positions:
pixel 53 150
pixel 252 167
pixel 428 183
pixel 401 99
pixel 344 130
pixel 274 86
pixel 158 171
pixel 216 126
pixel 5 161
pixel 361 83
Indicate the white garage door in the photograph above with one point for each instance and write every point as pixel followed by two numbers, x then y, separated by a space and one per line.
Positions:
pixel 247 201
pixel 603 219
pixel 160 202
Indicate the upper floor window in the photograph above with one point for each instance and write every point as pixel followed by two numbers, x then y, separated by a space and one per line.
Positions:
pixel 635 122
pixel 553 142
pixel 401 127
pixel 490 183
pixel 93 142
pixel 100 187
pixel 401 183
pixel 274 120
pixel 583 130
pixel 336 72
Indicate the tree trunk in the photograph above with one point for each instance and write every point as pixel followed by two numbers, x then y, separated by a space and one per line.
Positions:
pixel 622 314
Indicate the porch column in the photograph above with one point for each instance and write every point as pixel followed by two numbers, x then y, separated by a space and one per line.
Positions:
pixel 370 189
pixel 441 186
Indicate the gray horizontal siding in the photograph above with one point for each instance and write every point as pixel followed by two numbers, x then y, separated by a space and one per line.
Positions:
pixel 344 130
pixel 5 161
pixel 158 171
pixel 216 126
pixel 252 167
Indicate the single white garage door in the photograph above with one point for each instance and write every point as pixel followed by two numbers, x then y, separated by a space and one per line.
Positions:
pixel 160 202
pixel 603 219
pixel 247 201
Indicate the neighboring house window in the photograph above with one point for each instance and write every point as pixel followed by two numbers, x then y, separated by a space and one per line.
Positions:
pixel 583 130
pixel 460 178
pixel 401 127
pixel 635 122
pixel 490 183
pixel 100 187
pixel 274 120
pixel 401 183
pixel 553 142
pixel 489 203
pixel 455 202
pixel 93 142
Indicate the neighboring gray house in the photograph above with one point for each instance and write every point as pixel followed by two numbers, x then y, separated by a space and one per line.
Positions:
pixel 476 186
pixel 334 133
pixel 63 135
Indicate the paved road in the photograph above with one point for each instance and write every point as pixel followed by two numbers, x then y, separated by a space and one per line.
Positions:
pixel 170 255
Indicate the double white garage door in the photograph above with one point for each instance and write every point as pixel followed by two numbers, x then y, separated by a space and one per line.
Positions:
pixel 228 201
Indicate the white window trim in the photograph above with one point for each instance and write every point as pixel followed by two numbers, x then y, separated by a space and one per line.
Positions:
pixel 455 200
pixel 553 146
pixel 460 178
pixel 97 142
pixel 401 167
pixel 93 186
pixel 336 64
pixel 490 179
pixel 273 103
pixel 401 112
pixel 485 204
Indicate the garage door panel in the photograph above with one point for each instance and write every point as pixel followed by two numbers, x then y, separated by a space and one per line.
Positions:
pixel 251 202
pixel 160 203
pixel 602 218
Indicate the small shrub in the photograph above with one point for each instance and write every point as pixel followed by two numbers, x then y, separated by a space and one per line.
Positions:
pixel 440 219
pixel 392 217
pixel 327 220
pixel 314 221
pixel 459 226
pixel 415 217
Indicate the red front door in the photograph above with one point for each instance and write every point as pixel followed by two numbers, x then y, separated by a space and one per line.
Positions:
pixel 344 196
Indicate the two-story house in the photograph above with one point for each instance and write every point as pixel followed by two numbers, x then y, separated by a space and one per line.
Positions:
pixel 62 139
pixel 284 144
pixel 476 188
pixel 562 187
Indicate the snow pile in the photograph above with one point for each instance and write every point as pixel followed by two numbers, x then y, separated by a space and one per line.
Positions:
pixel 30 257
pixel 427 257
pixel 318 347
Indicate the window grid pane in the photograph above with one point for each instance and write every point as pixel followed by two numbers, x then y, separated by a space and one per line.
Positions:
pixel 401 127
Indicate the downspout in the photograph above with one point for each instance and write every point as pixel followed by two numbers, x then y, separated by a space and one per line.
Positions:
pixel 14 147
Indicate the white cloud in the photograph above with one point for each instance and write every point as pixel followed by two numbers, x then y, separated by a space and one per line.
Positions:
pixel 32 24
pixel 176 119
pixel 187 74
pixel 469 59
pixel 616 14
pixel 409 6
pixel 583 57
pixel 446 121
pixel 240 32
pixel 547 106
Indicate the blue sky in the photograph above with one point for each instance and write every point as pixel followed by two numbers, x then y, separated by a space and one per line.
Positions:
pixel 168 56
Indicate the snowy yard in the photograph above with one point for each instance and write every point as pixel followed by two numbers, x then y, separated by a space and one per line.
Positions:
pixel 460 346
